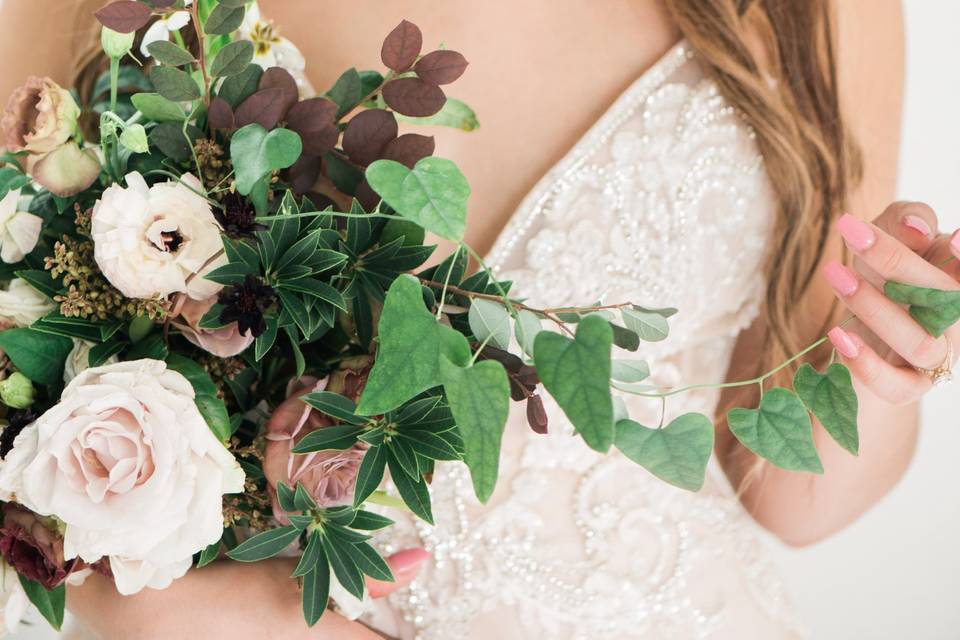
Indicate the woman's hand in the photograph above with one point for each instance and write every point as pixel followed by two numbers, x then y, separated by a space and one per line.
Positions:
pixel 225 600
pixel 884 347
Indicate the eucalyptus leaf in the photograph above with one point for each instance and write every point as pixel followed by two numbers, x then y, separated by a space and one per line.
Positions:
pixel 779 430
pixel 830 396
pixel 650 326
pixel 155 107
pixel 174 84
pixel 232 59
pixel 629 371
pixel 576 372
pixel 434 194
pixel 490 322
pixel 526 329
pixel 677 453
pixel 223 19
pixel 169 53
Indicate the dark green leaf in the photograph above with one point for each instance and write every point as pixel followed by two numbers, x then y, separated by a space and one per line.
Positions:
pixel 223 20
pixel 174 84
pixel 370 474
pixel 211 407
pixel 338 553
pixel 285 495
pixel 311 554
pixel 316 590
pixel 369 521
pixel 209 554
pixel 37 355
pixel 335 438
pixel 347 92
pixel 677 453
pixel 371 563
pixel 232 59
pixel 302 499
pixel 256 152
pixel 264 545
pixel 832 399
pixel 237 88
pixel 169 53
pixel 334 405
pixel 50 604
pixel 415 493
pixel 433 446
pixel 935 310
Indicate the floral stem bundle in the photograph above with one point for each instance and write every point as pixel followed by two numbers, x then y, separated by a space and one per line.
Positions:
pixel 221 339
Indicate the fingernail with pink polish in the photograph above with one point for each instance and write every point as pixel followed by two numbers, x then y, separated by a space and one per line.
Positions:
pixel 407 561
pixel 841 278
pixel 859 235
pixel 918 224
pixel 844 343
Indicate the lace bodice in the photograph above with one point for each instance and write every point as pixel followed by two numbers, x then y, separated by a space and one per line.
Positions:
pixel 663 202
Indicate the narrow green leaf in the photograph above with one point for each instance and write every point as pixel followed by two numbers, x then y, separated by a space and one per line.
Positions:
pixel 311 554
pixel 209 554
pixel 264 545
pixel 370 473
pixel 371 563
pixel 779 430
pixel 677 453
pixel 370 521
pixel 577 374
pixel 429 444
pixel 316 589
pixel 832 399
pixel 338 553
pixel 336 438
pixel 335 406
pixel 302 499
pixel 415 494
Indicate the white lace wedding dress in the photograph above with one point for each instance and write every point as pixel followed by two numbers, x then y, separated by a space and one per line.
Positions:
pixel 664 202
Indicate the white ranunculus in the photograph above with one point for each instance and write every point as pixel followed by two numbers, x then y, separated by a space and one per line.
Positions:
pixel 13 599
pixel 19 230
pixel 22 305
pixel 127 462
pixel 149 241
pixel 78 360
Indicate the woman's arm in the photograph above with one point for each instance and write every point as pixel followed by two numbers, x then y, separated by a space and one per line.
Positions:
pixel 223 600
pixel 803 508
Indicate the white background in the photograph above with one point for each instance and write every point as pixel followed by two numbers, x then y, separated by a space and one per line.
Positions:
pixel 895 574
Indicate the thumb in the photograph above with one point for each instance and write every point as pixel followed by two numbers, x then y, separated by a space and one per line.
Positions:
pixel 405 566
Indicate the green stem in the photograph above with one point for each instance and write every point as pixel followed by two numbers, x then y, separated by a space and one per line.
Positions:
pixel 382 498
pixel 446 281
pixel 114 82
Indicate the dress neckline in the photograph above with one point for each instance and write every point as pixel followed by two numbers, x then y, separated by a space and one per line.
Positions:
pixel 621 107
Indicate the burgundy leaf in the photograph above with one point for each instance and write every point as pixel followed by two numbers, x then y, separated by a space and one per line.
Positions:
pixel 402 46
pixel 368 133
pixel 264 107
pixel 536 414
pixel 219 114
pixel 409 149
pixel 162 4
pixel 313 120
pixel 303 175
pixel 280 78
pixel 366 196
pixel 441 67
pixel 414 97
pixel 124 16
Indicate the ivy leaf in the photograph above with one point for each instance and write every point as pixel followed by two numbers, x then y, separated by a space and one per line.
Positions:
pixel 50 604
pixel 479 397
pixel 232 59
pixel 256 152
pixel 779 430
pixel 490 320
pixel 174 84
pixel 434 194
pixel 831 398
pixel 935 310
pixel 264 545
pixel 677 453
pixel 409 354
pixel 155 107
pixel 576 372
pixel 37 355
pixel 650 326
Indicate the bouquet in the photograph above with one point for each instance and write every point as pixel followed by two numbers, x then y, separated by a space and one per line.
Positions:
pixel 219 336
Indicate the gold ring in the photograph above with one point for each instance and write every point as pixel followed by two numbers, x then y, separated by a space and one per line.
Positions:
pixel 944 373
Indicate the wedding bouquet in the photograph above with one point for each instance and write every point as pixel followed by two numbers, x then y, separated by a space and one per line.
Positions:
pixel 220 338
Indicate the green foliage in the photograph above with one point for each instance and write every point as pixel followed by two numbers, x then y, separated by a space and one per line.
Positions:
pixel 935 310
pixel 576 372
pixel 50 604
pixel 264 545
pixel 169 53
pixel 455 113
pixel 832 399
pixel 256 152
pixel 224 19
pixel 677 453
pixel 237 88
pixel 433 194
pixel 490 322
pixel 211 407
pixel 174 84
pixel 347 92
pixel 232 59
pixel 479 397
pixel 778 430
pixel 37 355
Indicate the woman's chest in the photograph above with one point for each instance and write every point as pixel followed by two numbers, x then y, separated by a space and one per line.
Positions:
pixel 539 76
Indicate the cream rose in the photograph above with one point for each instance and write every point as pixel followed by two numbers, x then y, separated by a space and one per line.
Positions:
pixel 40 116
pixel 127 462
pixel 21 305
pixel 19 230
pixel 78 360
pixel 149 241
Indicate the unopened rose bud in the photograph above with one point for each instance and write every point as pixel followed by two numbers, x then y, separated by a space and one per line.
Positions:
pixel 17 391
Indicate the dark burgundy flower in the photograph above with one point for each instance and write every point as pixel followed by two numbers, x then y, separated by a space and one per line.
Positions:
pixel 18 420
pixel 238 217
pixel 246 303
pixel 32 545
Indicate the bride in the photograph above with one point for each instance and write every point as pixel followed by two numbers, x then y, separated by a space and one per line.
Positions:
pixel 696 153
